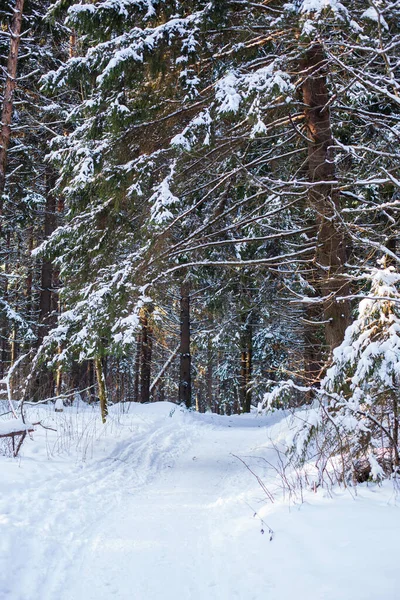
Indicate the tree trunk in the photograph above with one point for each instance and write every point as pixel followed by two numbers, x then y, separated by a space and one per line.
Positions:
pixel 79 375
pixel 137 368
pixel 4 323
pixel 209 375
pixel 101 385
pixel 8 99
pixel 324 197
pixel 90 381
pixel 146 353
pixel 246 360
pixel 59 381
pixel 47 299
pixel 72 44
pixel 185 382
pixel 217 398
pixel 29 278
pixel 43 385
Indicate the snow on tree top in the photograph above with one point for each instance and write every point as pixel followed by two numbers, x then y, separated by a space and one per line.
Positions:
pixel 317 6
pixel 235 87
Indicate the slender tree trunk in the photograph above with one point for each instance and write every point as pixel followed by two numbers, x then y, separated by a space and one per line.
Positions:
pixel 90 380
pixel 46 299
pixel 137 368
pixel 324 197
pixel 5 345
pixel 8 99
pixel 246 361
pixel 72 44
pixel 249 368
pixel 395 452
pixel 59 376
pixel 14 350
pixel 209 382
pixel 217 399
pixel 185 382
pixel 79 375
pixel 101 385
pixel 43 385
pixel 29 278
pixel 58 381
pixel 146 355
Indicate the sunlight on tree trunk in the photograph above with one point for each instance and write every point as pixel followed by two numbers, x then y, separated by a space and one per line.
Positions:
pixel 101 385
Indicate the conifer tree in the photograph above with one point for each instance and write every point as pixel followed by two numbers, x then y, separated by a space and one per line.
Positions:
pixel 228 122
pixel 356 419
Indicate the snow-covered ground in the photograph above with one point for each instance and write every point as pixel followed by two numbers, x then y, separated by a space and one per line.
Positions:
pixel 157 505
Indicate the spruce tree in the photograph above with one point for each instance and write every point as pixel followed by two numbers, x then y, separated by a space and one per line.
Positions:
pixel 207 126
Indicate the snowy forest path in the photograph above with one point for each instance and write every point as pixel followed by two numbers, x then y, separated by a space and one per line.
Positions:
pixel 159 499
pixel 175 524
pixel 166 510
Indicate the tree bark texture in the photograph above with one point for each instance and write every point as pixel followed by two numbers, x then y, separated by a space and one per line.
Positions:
pixel 137 368
pixel 59 380
pixel 185 381
pixel 209 375
pixel 4 323
pixel 8 99
pixel 246 360
pixel 324 197
pixel 90 381
pixel 146 355
pixel 101 386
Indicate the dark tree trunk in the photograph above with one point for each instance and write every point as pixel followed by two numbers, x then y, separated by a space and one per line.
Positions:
pixel 5 330
pixel 29 278
pixel 246 360
pixel 217 397
pixel 48 297
pixel 137 368
pixel 101 388
pixel 185 382
pixel 90 381
pixel 391 244
pixel 146 352
pixel 79 376
pixel 209 375
pixel 324 197
pixel 43 386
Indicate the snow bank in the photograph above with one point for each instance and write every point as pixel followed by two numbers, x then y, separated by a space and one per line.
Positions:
pixel 14 425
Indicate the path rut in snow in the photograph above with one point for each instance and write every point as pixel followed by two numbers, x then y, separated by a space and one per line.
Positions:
pixel 51 525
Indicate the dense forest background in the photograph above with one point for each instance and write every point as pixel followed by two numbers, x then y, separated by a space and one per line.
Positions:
pixel 199 203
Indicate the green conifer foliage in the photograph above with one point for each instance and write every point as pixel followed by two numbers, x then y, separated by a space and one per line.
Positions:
pixel 192 138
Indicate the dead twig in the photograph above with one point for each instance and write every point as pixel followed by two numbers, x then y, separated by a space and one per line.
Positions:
pixel 259 480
